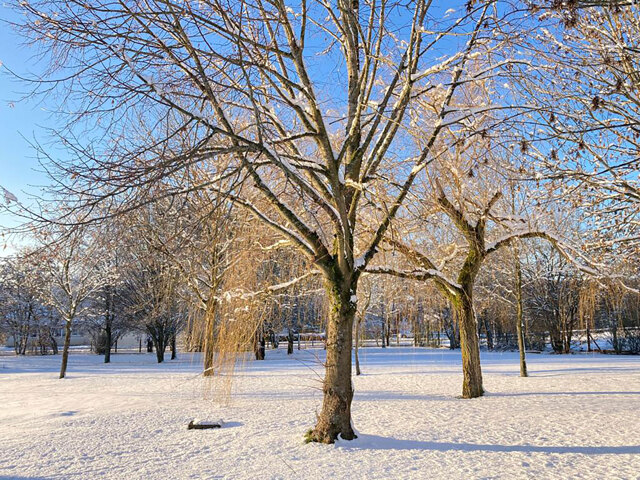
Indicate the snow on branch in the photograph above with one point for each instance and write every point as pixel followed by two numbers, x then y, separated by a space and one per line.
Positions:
pixel 7 196
pixel 419 274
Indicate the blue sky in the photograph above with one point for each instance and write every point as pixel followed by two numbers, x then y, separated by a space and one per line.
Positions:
pixel 23 120
pixel 19 120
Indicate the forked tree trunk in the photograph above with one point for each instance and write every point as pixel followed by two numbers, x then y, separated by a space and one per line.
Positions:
pixel 469 346
pixel 65 348
pixel 160 343
pixel 335 416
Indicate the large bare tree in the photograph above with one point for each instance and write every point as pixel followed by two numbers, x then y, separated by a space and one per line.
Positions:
pixel 306 100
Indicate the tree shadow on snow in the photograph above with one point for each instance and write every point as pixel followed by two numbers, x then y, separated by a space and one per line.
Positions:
pixel 13 477
pixel 568 394
pixel 376 442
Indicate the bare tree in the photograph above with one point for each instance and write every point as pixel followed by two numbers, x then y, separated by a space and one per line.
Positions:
pixel 483 223
pixel 242 81
pixel 71 277
pixel 580 80
pixel 22 310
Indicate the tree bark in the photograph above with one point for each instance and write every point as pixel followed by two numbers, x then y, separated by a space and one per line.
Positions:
pixel 357 345
pixel 289 342
pixel 65 348
pixel 159 351
pixel 469 346
pixel 488 332
pixel 335 417
pixel 107 347
pixel 520 317
pixel 259 347
pixel 174 351
pixel 209 337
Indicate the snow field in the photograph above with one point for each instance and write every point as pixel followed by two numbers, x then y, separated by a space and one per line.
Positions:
pixel 577 416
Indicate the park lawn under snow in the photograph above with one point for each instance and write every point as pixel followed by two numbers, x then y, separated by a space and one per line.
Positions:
pixel 577 416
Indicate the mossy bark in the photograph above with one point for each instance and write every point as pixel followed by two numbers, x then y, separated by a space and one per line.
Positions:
pixel 335 417
pixel 469 346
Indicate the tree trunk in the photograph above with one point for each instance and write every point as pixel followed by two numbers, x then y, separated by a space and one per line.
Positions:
pixel 289 342
pixel 469 346
pixel 65 348
pixel 335 416
pixel 107 347
pixel 388 332
pixel 160 343
pixel 259 346
pixel 159 352
pixel 174 351
pixel 209 337
pixel 54 344
pixel 488 332
pixel 357 345
pixel 520 316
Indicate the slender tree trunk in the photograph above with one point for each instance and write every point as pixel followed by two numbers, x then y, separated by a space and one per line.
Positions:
pixel 335 416
pixel 209 337
pixel 160 342
pixel 174 351
pixel 488 332
pixel 108 323
pixel 388 331
pixel 65 348
pixel 107 347
pixel 469 346
pixel 259 347
pixel 290 342
pixel 357 345
pixel 520 316
pixel 54 346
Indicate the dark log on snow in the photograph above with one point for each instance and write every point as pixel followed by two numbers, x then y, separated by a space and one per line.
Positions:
pixel 203 425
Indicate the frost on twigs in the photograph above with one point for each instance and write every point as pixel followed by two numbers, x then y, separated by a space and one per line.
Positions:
pixel 6 197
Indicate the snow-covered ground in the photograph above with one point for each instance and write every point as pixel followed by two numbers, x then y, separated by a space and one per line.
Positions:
pixel 577 416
